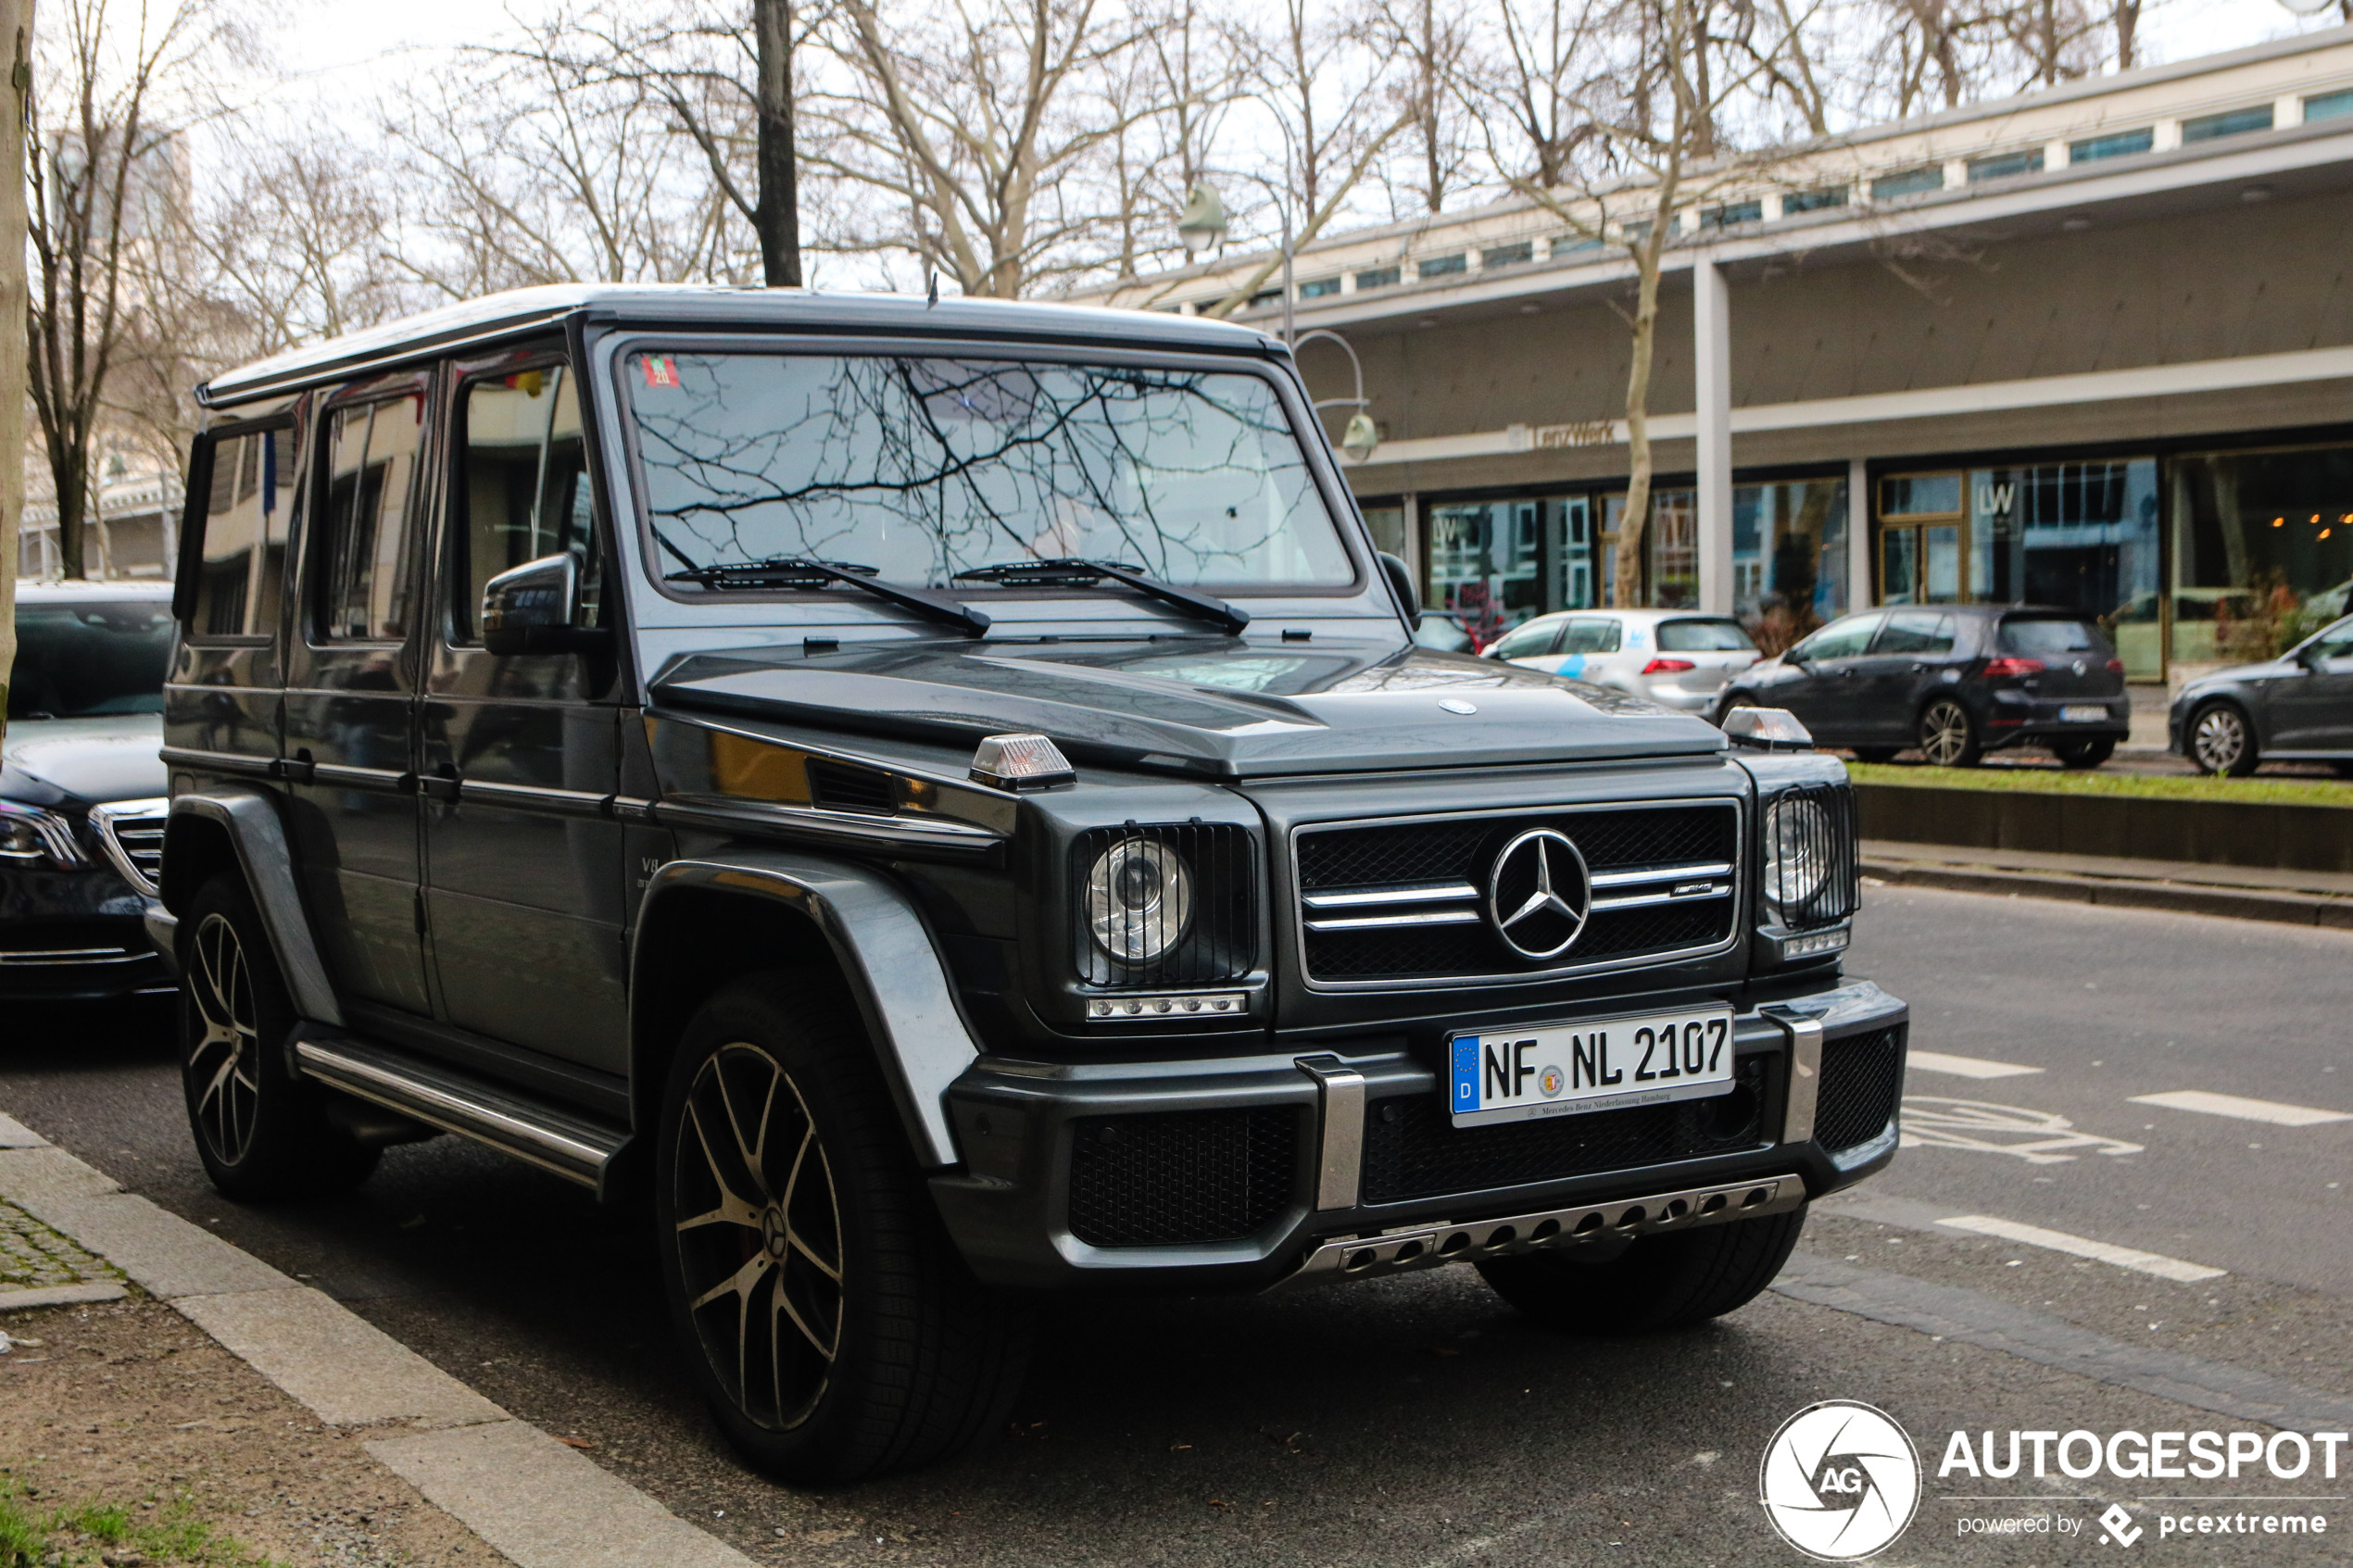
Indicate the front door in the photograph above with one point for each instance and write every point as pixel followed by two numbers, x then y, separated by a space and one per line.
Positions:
pixel 1827 696
pixel 351 692
pixel 2312 710
pixel 1909 657
pixel 519 752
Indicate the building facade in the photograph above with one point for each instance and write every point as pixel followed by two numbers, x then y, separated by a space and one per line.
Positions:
pixel 2091 347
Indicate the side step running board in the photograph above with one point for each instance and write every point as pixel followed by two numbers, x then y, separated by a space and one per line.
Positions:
pixel 573 1146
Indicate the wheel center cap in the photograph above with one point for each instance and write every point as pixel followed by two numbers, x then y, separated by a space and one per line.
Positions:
pixel 774 1234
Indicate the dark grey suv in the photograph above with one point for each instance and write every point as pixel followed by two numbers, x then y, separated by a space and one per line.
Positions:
pixel 945 801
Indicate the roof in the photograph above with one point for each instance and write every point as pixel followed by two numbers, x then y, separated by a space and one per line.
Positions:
pixel 32 592
pixel 710 307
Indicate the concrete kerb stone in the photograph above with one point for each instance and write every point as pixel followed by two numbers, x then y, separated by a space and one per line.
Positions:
pixel 2288 909
pixel 62 1295
pixel 527 1495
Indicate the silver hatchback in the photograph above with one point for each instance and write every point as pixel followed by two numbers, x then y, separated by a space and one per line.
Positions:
pixel 1672 657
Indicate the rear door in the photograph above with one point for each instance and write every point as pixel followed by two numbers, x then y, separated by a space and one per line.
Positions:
pixel 1586 646
pixel 518 752
pixel 1826 695
pixel 351 690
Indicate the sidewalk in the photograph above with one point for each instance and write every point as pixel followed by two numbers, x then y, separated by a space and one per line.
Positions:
pixel 2182 887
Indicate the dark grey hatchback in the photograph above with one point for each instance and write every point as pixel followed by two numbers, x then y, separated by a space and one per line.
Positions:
pixel 945 801
pixel 1955 681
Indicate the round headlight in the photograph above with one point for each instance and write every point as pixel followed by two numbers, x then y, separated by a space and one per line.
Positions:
pixel 1139 897
pixel 1797 857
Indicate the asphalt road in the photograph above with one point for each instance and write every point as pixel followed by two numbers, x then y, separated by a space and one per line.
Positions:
pixel 1416 1421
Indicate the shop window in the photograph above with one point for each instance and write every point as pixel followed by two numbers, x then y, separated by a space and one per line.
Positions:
pixel 1920 495
pixel 1671 546
pixel 2232 122
pixel 1507 255
pixel 1813 201
pixel 2005 165
pixel 2116 143
pixel 1387 525
pixel 1377 276
pixel 1441 266
pixel 1319 288
pixel 1908 182
pixel 1484 563
pixel 2328 105
pixel 2262 550
pixel 1789 558
pixel 2081 536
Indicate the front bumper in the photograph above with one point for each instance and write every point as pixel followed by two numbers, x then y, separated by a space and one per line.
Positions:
pixel 1183 1176
pixel 74 934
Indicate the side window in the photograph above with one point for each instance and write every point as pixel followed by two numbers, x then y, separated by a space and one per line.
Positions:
pixel 1842 639
pixel 1590 634
pixel 371 469
pixel 1920 633
pixel 242 568
pixel 522 489
pixel 1527 641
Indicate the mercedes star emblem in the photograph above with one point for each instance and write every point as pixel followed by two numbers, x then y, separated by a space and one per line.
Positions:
pixel 1457 705
pixel 1537 895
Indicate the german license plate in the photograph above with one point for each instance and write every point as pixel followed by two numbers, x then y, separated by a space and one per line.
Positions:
pixel 1570 1068
pixel 2082 713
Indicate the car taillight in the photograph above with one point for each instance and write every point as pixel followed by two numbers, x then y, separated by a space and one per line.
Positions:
pixel 2116 666
pixel 1667 666
pixel 1998 667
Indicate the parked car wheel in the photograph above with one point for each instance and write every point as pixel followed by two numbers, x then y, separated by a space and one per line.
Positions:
pixel 1658 1281
pixel 2221 741
pixel 1876 753
pixel 261 1132
pixel 2089 752
pixel 1948 735
pixel 829 1322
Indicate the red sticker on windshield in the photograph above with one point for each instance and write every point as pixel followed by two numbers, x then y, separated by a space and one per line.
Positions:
pixel 661 371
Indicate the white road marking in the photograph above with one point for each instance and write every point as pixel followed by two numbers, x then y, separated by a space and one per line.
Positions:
pixel 1966 1066
pixel 2039 1137
pixel 2270 1111
pixel 2080 1246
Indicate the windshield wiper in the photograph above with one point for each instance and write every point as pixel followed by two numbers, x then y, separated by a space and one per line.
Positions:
pixel 796 572
pixel 1072 572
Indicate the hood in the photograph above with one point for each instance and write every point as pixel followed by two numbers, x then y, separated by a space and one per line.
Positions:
pixel 89 761
pixel 2269 670
pixel 1215 707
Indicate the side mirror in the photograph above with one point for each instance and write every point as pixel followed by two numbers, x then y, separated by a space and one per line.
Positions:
pixel 2313 655
pixel 529 608
pixel 1401 577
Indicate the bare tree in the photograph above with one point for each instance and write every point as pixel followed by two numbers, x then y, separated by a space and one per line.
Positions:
pixel 1538 75
pixel 16 46
pixel 97 169
pixel 1429 43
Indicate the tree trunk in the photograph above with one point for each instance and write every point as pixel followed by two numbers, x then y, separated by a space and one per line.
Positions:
pixel 1625 593
pixel 778 210
pixel 16 46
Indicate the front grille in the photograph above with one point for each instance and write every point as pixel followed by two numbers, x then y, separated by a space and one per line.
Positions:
pixel 131 836
pixel 1412 1149
pixel 1406 900
pixel 1862 1077
pixel 1175 1177
pixel 1206 934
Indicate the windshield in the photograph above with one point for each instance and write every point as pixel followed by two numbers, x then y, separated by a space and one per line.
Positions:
pixel 81 660
pixel 918 469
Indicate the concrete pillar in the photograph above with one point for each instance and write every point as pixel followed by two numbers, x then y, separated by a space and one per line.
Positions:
pixel 1712 338
pixel 1858 535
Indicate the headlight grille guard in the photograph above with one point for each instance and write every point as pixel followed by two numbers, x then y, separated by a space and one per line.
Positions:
pixel 1219 941
pixel 1829 836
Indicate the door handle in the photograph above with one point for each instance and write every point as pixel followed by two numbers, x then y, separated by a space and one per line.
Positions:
pixel 440 785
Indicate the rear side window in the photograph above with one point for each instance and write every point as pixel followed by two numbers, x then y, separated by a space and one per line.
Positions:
pixel 1702 636
pixel 241 565
pixel 1527 641
pixel 1590 634
pixel 2045 639
pixel 1916 631
pixel 363 579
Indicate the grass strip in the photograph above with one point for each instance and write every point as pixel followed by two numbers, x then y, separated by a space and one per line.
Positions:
pixel 2137 786
pixel 172 1536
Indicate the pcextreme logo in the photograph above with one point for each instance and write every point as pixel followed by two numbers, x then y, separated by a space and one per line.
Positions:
pixel 1840 1480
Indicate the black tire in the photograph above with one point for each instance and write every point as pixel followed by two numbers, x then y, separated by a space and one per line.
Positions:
pixel 1659 1282
pixel 2221 740
pixel 1947 735
pixel 1876 753
pixel 261 1132
pixel 882 1351
pixel 2088 753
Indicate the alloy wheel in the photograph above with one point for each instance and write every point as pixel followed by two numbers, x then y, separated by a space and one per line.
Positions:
pixel 759 1240
pixel 2219 739
pixel 225 1059
pixel 1945 738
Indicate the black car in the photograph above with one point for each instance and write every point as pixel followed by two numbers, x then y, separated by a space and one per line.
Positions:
pixel 81 813
pixel 1954 681
pixel 944 800
pixel 2298 708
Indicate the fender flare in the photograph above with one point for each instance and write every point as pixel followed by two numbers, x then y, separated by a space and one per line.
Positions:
pixel 885 951
pixel 250 818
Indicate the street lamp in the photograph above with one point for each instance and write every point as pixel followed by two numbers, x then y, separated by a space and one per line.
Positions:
pixel 1202 226
pixel 1362 435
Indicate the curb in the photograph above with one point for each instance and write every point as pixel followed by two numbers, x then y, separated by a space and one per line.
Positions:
pixel 2175 897
pixel 529 1497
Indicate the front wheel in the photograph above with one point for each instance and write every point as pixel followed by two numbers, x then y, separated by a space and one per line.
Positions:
pixel 1948 736
pixel 2221 741
pixel 1658 1281
pixel 261 1132
pixel 2087 753
pixel 829 1322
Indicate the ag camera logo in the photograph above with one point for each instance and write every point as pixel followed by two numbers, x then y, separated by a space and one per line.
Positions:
pixel 1840 1481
